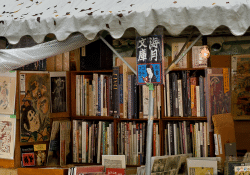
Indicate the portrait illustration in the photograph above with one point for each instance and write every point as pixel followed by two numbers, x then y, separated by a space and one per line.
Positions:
pixel 35 107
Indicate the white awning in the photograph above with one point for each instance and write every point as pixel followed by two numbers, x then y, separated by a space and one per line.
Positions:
pixel 37 18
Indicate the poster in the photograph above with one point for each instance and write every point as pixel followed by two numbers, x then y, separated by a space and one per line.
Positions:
pixel 149 55
pixel 7 92
pixel 34 106
pixel 7 136
pixel 241 86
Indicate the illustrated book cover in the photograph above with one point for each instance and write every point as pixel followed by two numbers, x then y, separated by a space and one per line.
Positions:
pixel 34 106
pixel 7 136
pixel 218 93
pixel 240 86
pixel 27 156
pixel 58 92
pixel 40 154
pixel 7 92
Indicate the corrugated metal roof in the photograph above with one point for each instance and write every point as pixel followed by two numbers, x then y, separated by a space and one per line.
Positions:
pixel 38 18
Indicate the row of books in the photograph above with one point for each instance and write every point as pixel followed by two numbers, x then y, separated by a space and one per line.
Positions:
pixel 132 141
pixel 94 95
pixel 132 100
pixel 185 137
pixel 185 94
pixel 91 140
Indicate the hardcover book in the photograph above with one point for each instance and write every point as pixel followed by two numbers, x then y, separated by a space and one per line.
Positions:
pixel 27 156
pixel 34 106
pixel 115 171
pixel 40 154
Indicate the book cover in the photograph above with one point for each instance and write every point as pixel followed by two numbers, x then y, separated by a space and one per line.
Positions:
pixel 65 61
pixel 7 92
pixel 27 156
pixel 40 154
pixel 59 62
pixel 34 106
pixel 7 136
pixel 218 93
pixel 58 92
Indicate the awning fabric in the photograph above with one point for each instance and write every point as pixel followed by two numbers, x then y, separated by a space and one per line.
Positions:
pixel 38 18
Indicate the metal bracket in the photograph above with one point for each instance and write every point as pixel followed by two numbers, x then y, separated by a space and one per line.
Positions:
pixel 115 52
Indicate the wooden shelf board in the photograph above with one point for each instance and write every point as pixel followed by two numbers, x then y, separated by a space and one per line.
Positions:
pixel 180 69
pixel 93 117
pixel 92 71
pixel 143 119
pixel 184 118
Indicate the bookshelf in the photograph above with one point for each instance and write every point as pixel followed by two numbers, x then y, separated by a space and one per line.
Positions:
pixel 71 115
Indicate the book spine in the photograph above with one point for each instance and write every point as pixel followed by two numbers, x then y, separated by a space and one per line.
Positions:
pixel 125 91
pixel 189 111
pixel 136 91
pixel 78 95
pixel 115 88
pixel 202 97
pixel 145 101
pixel 184 93
pixel 158 101
pixel 168 95
pixel 180 101
pixel 172 91
pixel 74 140
pixel 102 94
pixel 83 95
pixel 84 142
pixel 193 96
pixel 129 97
pixel 175 138
pixel 99 96
pixel 198 100
pixel 121 94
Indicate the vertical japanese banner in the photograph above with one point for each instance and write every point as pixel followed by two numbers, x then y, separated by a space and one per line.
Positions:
pixel 149 55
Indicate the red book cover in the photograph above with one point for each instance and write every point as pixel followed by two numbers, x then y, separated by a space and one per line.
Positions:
pixel 88 169
pixel 28 159
pixel 115 171
pixel 193 83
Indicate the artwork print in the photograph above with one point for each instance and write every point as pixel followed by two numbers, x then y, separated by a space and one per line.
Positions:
pixel 34 107
pixel 149 73
pixel 7 137
pixel 7 95
pixel 58 94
